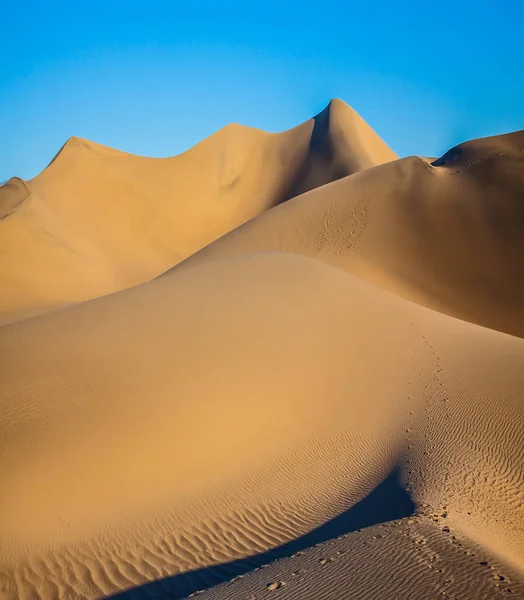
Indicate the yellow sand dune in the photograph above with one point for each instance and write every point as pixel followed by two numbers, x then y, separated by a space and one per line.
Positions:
pixel 348 364
pixel 446 234
pixel 215 413
pixel 97 220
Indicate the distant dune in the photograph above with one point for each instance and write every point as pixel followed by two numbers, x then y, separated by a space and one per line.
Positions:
pixel 446 234
pixel 97 220
pixel 325 403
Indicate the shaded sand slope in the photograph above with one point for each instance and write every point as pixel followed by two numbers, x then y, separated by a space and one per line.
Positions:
pixel 448 235
pixel 97 220
pixel 220 411
pixel 408 559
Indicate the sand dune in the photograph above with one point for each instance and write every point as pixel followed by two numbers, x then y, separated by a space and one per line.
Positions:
pixel 335 387
pixel 97 220
pixel 446 234
pixel 275 391
pixel 403 558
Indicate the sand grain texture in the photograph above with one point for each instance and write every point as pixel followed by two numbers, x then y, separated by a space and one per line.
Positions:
pixel 325 403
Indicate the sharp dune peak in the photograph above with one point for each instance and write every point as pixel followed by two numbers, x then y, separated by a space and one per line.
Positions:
pixel 337 108
pixel 321 379
pixel 75 145
pixel 106 205
pixel 327 120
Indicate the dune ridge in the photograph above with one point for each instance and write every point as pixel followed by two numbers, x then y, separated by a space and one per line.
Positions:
pixel 334 387
pixel 81 479
pixel 446 234
pixel 98 220
pixel 12 194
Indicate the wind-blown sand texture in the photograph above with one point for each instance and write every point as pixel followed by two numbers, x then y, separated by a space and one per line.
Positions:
pixel 334 388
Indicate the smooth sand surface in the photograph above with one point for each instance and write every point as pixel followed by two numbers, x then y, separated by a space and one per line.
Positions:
pixel 335 388
pixel 97 220
pixel 446 234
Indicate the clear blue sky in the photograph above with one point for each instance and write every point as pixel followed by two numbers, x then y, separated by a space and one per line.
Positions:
pixel 156 77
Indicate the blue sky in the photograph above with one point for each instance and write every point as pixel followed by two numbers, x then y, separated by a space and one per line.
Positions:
pixel 154 77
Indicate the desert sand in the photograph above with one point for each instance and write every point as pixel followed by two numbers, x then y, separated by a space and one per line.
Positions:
pixel 97 220
pixel 321 395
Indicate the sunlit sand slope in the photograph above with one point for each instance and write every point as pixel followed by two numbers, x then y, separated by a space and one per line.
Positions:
pixel 447 234
pixel 97 220
pixel 224 410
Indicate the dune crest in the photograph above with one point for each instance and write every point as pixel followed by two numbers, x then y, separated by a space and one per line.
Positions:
pixel 121 458
pixel 446 234
pixel 12 194
pixel 99 220
pixel 327 376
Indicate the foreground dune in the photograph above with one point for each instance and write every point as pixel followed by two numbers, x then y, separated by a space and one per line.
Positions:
pixel 333 390
pixel 98 220
pixel 224 410
pixel 405 558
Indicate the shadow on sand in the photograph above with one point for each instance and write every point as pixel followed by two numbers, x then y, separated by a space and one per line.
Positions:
pixel 388 501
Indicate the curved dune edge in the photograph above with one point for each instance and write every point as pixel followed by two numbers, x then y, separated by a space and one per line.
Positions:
pixel 405 558
pixel 329 386
pixel 275 392
pixel 12 194
pixel 446 234
pixel 99 220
